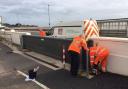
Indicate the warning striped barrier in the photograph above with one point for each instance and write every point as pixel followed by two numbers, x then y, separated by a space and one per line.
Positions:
pixel 90 29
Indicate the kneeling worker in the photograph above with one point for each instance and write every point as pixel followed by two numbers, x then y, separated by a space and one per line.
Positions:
pixel 98 57
pixel 74 53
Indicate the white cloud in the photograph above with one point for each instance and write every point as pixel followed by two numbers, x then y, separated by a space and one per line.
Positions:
pixel 36 11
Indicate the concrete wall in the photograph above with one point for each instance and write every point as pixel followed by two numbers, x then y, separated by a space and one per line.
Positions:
pixel 118 58
pixel 13 37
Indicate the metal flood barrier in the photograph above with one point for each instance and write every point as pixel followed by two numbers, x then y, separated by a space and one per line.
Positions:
pixel 52 47
pixel 113 33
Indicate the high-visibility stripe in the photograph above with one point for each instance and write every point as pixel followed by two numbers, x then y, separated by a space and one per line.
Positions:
pixel 95 24
pixel 86 26
pixel 94 34
pixel 95 28
pixel 87 32
pixel 93 51
pixel 89 35
pixel 91 61
pixel 86 23
pixel 90 28
pixel 91 56
pixel 91 31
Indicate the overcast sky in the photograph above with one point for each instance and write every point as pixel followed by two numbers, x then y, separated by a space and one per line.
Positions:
pixel 36 11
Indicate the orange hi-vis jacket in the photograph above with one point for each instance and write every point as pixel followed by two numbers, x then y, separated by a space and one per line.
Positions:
pixel 42 33
pixel 92 55
pixel 99 55
pixel 77 43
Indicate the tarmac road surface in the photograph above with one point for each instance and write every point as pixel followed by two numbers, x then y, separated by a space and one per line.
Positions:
pixel 53 79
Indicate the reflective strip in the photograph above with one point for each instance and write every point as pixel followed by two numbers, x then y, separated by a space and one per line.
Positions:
pixel 90 28
pixel 63 50
pixel 63 56
pixel 93 51
pixel 103 69
pixel 91 61
pixel 91 56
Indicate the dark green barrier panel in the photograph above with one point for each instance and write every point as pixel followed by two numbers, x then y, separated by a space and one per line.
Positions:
pixel 52 47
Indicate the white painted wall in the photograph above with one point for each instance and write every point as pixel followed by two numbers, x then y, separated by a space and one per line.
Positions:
pixel 68 31
pixel 118 58
pixel 13 37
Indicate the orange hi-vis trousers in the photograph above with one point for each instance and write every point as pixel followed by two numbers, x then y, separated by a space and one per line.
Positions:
pixel 101 58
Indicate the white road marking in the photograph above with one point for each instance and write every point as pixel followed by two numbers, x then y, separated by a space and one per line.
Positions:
pixel 38 83
pixel 42 63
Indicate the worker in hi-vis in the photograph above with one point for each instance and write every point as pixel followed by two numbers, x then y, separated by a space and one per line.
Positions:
pixel 98 58
pixel 42 33
pixel 74 51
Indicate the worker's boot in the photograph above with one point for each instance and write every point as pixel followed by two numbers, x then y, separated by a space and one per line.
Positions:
pixel 83 74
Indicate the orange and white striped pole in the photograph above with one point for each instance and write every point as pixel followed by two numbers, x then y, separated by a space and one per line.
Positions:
pixel 63 56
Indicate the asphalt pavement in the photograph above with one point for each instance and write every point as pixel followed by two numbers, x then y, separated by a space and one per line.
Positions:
pixel 54 79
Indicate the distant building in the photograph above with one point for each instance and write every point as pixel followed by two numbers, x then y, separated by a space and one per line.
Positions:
pixel 108 27
pixel 114 27
pixel 32 30
pixel 27 29
pixel 67 28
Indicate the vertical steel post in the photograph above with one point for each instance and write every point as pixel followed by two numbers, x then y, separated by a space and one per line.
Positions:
pixel 87 64
pixel 49 14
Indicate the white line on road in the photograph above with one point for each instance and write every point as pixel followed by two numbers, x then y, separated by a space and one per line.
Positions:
pixel 38 83
pixel 15 50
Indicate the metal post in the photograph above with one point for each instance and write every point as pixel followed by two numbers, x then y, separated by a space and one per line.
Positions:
pixel 49 14
pixel 127 29
pixel 0 20
pixel 87 69
pixel 87 66
pixel 80 64
pixel 63 57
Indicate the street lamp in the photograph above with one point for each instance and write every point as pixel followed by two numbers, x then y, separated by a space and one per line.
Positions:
pixel 49 15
